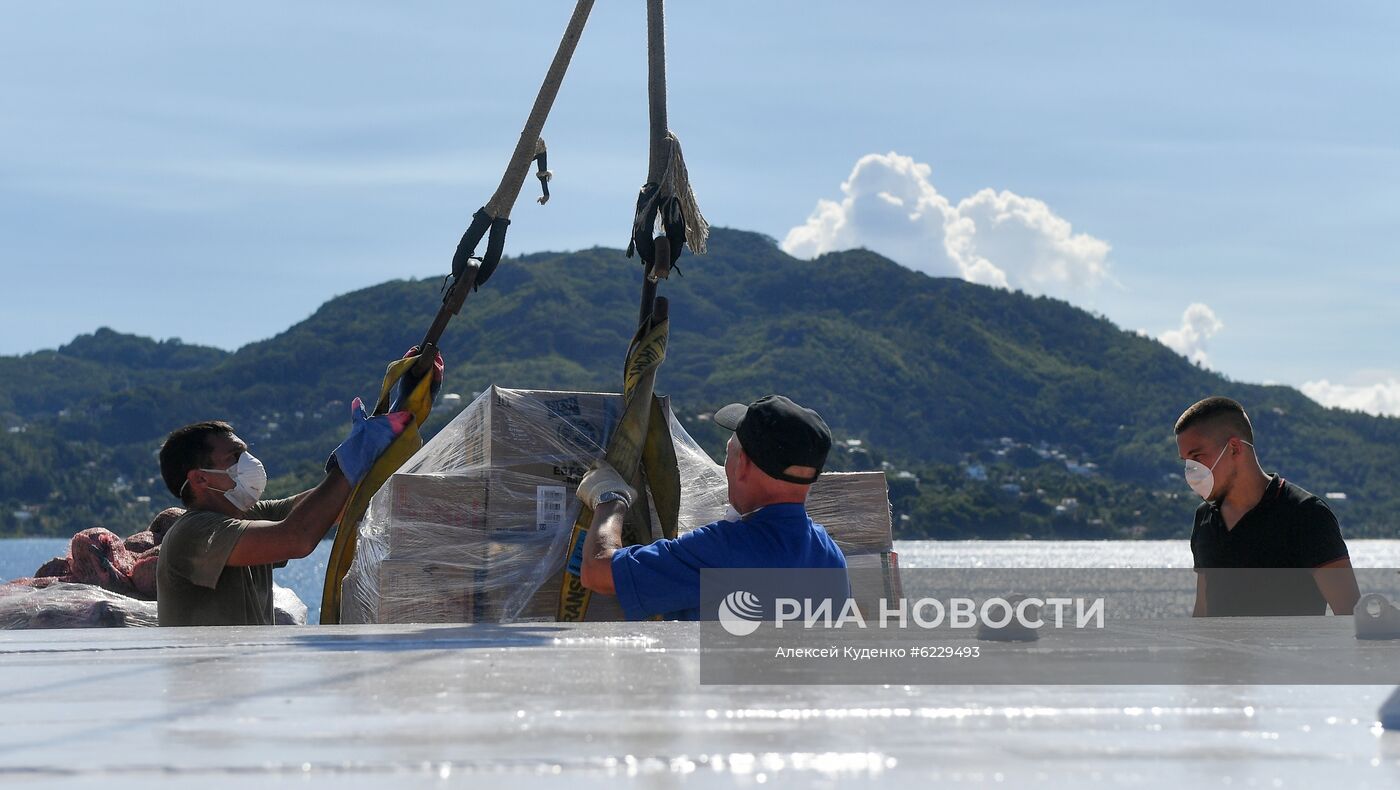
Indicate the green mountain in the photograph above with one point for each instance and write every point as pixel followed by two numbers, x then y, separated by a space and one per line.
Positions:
pixel 995 413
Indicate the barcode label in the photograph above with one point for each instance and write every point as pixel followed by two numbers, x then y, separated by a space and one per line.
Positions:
pixel 549 507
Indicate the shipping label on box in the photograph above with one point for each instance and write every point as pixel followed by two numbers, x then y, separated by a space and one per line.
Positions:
pixel 550 509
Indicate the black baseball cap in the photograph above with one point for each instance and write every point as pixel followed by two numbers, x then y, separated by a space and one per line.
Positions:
pixel 777 433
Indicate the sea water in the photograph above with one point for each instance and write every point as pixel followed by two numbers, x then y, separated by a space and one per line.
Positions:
pixel 305 577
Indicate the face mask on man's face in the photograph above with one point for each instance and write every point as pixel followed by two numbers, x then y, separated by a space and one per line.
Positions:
pixel 249 481
pixel 1201 478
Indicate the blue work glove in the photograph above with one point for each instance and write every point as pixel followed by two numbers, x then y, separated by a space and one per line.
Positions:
pixel 369 438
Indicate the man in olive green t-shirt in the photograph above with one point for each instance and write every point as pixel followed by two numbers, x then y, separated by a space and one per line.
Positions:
pixel 216 560
pixel 196 583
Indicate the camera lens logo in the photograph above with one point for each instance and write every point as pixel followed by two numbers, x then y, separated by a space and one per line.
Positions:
pixel 740 613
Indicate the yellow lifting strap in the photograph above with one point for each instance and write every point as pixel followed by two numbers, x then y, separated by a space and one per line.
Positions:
pixel 663 474
pixel 468 273
pixel 641 432
pixel 419 403
pixel 641 449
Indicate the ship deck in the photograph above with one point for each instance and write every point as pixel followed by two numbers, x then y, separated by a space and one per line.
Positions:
pixel 599 703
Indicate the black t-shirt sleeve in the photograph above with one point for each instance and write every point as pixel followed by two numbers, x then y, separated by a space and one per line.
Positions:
pixel 1198 536
pixel 1319 536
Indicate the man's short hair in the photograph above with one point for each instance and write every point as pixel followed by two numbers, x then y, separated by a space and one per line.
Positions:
pixel 1218 414
pixel 187 448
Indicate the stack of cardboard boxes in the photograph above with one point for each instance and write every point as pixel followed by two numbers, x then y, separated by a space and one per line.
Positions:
pixel 475 527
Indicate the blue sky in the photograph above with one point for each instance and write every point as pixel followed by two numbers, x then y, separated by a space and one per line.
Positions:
pixel 216 172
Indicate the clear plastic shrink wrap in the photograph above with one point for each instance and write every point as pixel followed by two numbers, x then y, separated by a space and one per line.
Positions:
pixel 26 604
pixel 474 528
pixel 71 605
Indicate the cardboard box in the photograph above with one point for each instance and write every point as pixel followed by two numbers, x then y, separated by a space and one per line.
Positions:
pixel 483 512
pixel 429 514
pixel 426 591
pixel 505 429
pixel 854 507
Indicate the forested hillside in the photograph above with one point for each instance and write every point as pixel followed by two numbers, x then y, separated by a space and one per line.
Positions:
pixel 995 414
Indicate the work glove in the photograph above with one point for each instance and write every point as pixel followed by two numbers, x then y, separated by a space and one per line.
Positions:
pixel 602 479
pixel 369 438
pixel 407 382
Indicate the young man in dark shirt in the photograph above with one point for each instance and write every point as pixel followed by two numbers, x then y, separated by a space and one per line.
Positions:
pixel 1261 545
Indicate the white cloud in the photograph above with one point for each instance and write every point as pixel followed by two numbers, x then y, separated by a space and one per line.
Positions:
pixel 1198 325
pixel 994 238
pixel 1381 398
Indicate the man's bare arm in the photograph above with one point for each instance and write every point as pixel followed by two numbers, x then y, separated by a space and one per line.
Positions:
pixel 1200 610
pixel 298 497
pixel 1337 583
pixel 603 540
pixel 313 515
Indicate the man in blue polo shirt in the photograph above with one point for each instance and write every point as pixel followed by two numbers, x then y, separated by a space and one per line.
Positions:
pixel 776 453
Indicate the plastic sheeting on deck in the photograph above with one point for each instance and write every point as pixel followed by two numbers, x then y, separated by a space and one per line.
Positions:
pixel 597 703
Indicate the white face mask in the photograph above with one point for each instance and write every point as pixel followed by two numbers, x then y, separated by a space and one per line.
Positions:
pixel 249 480
pixel 1201 478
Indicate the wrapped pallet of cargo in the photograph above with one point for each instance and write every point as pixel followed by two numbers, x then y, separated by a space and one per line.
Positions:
pixel 475 527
